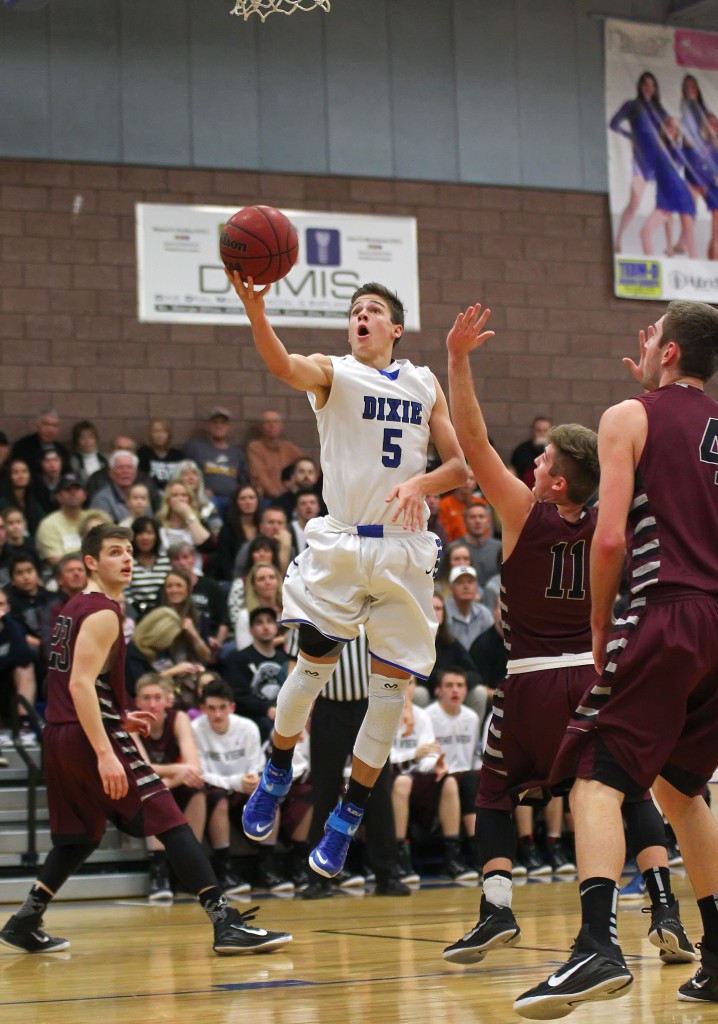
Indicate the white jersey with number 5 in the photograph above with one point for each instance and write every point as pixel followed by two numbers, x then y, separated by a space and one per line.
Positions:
pixel 374 434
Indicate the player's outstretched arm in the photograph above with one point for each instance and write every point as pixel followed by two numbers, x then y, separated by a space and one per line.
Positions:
pixel 93 645
pixel 305 373
pixel 621 435
pixel 511 498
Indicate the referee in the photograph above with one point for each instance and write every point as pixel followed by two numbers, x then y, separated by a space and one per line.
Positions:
pixel 337 716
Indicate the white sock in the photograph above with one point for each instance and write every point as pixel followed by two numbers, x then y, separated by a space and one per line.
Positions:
pixel 498 890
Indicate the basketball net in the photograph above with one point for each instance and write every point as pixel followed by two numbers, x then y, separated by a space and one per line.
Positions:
pixel 266 7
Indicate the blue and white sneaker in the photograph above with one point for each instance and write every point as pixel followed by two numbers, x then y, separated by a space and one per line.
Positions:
pixel 260 811
pixel 328 856
pixel 633 890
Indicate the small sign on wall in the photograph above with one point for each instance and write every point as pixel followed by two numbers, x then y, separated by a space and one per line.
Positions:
pixel 181 279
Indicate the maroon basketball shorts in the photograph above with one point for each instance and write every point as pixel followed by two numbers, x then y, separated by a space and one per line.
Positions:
pixel 655 710
pixel 235 801
pixel 426 794
pixel 80 808
pixel 529 717
pixel 295 806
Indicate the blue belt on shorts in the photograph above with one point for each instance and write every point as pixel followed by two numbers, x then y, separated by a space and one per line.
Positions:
pixel 371 530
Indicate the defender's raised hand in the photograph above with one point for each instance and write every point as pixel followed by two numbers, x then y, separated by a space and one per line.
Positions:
pixel 468 331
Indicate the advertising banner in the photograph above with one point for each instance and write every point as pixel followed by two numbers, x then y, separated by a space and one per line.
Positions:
pixel 181 279
pixel 661 104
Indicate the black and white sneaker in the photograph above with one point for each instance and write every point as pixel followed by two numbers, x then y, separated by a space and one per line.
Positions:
pixel 559 861
pixel 496 926
pixel 233 936
pixel 669 935
pixel 231 885
pixel 26 933
pixel 703 986
pixel 529 856
pixel 160 888
pixel 592 972
pixel 406 869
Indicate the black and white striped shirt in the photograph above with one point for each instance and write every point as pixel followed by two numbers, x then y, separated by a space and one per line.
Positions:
pixel 144 590
pixel 350 680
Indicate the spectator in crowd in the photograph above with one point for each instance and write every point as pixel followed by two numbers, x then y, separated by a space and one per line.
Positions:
pixel 47 482
pixel 451 654
pixel 303 475
pixel 85 455
pixel 455 553
pixel 306 508
pixel 122 474
pixel 157 458
pixel 485 549
pixel 269 454
pixel 466 616
pixel 257 672
pixel 223 464
pixel 232 761
pixel 488 652
pixel 159 645
pixel 30 448
pixel 16 672
pixel 94 517
pixel 177 594
pixel 263 589
pixel 4 453
pixel 241 525
pixel 171 751
pixel 28 599
pixel 188 473
pixel 139 503
pixel 71 579
pixel 458 733
pixel 207 596
pixel 5 555
pixel 423 790
pixel 273 524
pixel 452 505
pixel 180 521
pixel 523 457
pixel 261 549
pixel 19 540
pixel 434 522
pixel 150 565
pixel 17 490
pixel 59 532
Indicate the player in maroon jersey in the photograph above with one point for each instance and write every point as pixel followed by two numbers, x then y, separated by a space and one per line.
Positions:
pixel 546 539
pixel 94 770
pixel 653 714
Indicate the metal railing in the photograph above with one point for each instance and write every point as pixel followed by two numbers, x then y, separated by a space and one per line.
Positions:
pixel 30 858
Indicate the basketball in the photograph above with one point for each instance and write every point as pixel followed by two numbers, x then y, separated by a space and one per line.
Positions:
pixel 259 242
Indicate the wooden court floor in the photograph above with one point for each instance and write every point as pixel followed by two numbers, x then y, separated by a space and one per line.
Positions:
pixel 354 960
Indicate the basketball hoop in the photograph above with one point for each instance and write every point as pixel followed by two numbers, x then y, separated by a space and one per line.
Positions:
pixel 266 7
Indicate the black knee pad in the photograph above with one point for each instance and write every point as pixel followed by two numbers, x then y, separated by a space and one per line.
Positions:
pixel 644 825
pixel 495 835
pixel 315 644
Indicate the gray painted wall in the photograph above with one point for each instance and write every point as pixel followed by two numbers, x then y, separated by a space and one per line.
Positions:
pixel 505 92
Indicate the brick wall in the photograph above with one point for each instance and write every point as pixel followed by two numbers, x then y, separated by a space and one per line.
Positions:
pixel 69 336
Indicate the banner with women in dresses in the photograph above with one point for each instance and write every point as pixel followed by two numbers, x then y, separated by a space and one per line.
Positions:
pixel 662 126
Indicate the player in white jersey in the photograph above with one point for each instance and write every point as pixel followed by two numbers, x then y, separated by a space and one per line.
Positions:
pixel 369 561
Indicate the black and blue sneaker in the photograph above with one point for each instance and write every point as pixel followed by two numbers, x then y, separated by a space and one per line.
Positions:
pixel 260 811
pixel 328 856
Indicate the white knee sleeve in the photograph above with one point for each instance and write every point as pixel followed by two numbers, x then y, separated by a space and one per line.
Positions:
pixel 299 691
pixel 381 722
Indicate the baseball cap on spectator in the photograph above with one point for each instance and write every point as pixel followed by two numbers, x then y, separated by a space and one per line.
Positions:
pixel 461 570
pixel 219 410
pixel 68 480
pixel 261 611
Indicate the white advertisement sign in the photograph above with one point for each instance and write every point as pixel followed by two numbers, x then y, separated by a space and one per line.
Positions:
pixel 662 124
pixel 181 279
